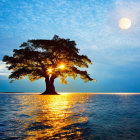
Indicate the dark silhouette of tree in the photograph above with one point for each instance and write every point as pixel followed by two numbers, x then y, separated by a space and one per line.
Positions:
pixel 48 59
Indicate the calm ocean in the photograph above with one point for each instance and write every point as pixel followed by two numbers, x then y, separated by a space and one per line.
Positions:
pixel 70 117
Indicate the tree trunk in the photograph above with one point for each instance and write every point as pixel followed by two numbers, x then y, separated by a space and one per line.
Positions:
pixel 50 89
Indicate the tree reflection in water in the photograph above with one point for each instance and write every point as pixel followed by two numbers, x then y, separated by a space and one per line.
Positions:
pixel 53 117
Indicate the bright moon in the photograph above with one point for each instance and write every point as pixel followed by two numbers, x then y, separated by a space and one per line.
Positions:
pixel 124 23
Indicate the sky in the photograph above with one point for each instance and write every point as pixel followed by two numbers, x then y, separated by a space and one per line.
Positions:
pixel 93 24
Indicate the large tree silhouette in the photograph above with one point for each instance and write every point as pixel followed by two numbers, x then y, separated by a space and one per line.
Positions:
pixel 48 59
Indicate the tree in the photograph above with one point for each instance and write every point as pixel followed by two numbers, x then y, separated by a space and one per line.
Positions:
pixel 48 59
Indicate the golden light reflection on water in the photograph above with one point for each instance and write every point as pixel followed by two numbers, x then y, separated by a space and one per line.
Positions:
pixel 50 116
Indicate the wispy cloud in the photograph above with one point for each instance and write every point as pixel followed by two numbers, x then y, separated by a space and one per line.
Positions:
pixel 3 69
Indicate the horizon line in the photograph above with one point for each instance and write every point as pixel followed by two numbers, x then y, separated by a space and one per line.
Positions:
pixel 61 93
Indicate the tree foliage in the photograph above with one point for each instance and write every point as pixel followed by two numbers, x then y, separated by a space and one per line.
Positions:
pixel 41 58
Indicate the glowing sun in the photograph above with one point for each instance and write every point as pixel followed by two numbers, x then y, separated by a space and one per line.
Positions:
pixel 125 23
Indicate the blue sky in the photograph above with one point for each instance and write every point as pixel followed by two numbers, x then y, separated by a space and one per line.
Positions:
pixel 93 24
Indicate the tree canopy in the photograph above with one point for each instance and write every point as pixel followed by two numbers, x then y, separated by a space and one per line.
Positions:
pixel 54 58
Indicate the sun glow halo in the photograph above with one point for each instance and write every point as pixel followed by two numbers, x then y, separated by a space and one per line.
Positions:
pixel 61 66
pixel 50 70
pixel 125 23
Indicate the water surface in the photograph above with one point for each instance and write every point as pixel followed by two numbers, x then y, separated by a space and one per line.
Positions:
pixel 69 117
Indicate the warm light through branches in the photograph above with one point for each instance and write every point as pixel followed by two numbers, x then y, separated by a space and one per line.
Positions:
pixel 61 66
pixel 48 59
pixel 50 70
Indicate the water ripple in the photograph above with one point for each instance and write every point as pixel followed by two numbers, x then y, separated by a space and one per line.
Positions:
pixel 69 117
